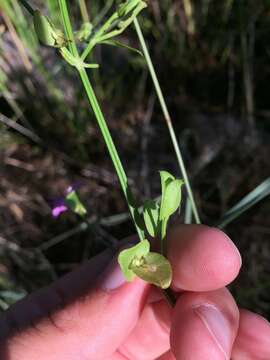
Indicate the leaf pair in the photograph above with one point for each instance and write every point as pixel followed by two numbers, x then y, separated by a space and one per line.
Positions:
pixel 149 266
pixel 156 214
pixel 138 260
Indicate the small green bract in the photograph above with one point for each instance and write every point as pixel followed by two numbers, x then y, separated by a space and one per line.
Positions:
pixel 74 203
pixel 84 32
pixel 47 34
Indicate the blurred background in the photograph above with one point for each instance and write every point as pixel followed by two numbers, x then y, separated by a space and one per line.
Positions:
pixel 212 59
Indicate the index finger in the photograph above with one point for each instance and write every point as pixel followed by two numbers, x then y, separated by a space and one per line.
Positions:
pixel 203 258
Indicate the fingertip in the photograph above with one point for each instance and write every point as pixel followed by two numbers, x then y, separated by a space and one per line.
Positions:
pixel 203 258
pixel 204 326
pixel 253 339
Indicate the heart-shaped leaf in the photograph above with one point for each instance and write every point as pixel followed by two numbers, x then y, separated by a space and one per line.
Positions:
pixel 133 255
pixel 151 217
pixel 156 270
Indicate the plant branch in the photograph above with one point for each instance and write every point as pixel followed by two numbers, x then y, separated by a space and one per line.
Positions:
pixel 167 119
pixel 84 12
pixel 99 116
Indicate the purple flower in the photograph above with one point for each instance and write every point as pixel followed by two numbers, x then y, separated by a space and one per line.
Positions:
pixel 58 210
pixel 59 205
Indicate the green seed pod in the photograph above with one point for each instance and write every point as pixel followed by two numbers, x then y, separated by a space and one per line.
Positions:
pixel 46 32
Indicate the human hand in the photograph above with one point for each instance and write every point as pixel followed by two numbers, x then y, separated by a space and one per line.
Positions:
pixel 90 315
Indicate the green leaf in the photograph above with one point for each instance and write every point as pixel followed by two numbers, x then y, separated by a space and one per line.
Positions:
pixel 151 217
pixel 252 198
pixel 171 198
pixel 164 223
pixel 165 178
pixel 133 255
pixel 74 203
pixel 121 45
pixel 156 270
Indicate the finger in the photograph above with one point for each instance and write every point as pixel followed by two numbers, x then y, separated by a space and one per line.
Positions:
pixel 253 339
pixel 75 318
pixel 150 337
pixel 167 356
pixel 204 326
pixel 203 258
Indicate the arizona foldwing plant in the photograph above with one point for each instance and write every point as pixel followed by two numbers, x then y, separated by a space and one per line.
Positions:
pixel 152 221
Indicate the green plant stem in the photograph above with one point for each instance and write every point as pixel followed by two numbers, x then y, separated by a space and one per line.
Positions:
pixel 84 12
pixel 28 7
pixel 167 119
pixel 99 115
pixel 109 142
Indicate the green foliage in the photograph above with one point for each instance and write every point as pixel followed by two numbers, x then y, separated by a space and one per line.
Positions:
pixel 47 34
pixel 138 260
pixel 151 217
pixel 165 179
pixel 84 32
pixel 155 269
pixel 155 214
pixel 171 198
pixel 75 61
pixel 74 203
pixel 115 25
pixel 134 255
pixel 149 266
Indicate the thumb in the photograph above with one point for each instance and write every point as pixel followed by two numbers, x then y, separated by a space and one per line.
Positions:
pixel 204 325
pixel 78 317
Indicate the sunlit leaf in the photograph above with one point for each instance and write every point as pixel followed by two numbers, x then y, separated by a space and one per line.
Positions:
pixel 171 198
pixel 165 178
pixel 156 270
pixel 151 217
pixel 133 255
pixel 164 223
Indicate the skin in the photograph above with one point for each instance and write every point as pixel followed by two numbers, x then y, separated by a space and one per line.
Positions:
pixel 93 313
